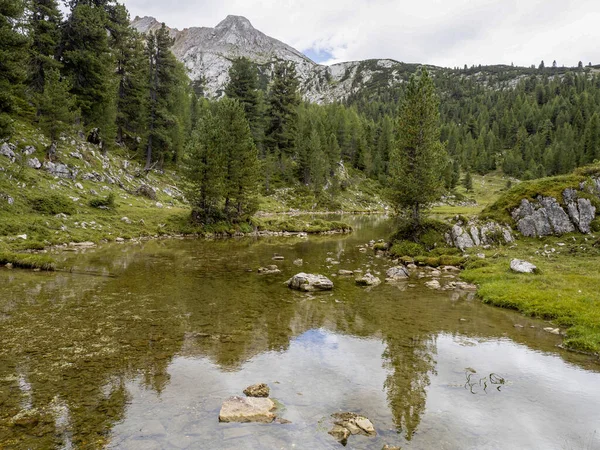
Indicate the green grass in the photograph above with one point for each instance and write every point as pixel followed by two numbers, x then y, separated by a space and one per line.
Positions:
pixel 564 292
pixel 27 261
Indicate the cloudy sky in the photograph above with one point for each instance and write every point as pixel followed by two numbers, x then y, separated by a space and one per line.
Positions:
pixel 441 32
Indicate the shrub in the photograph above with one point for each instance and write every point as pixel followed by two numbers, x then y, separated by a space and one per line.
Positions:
pixel 108 202
pixel 406 248
pixel 53 204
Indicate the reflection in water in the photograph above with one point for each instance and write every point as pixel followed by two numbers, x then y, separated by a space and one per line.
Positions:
pixel 144 357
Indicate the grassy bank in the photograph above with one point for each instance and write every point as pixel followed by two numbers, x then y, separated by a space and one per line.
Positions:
pixel 565 292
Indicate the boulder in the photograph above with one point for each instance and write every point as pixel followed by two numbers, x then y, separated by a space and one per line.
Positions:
pixel 397 273
pixel 462 240
pixel 307 282
pixel 59 170
pixel 257 390
pixel 433 284
pixel 247 409
pixel 146 191
pixel 519 266
pixel 34 163
pixel 346 424
pixel 368 280
pixel 580 210
pixel 8 150
pixel 28 150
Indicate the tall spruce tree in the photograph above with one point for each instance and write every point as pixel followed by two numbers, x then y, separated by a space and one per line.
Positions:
pixel 243 87
pixel 13 48
pixel 45 21
pixel 162 70
pixel 56 105
pixel 418 158
pixel 88 60
pixel 241 160
pixel 282 111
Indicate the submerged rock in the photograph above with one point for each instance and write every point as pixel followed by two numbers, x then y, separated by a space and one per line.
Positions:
pixel 257 390
pixel 308 282
pixel 347 424
pixel 368 280
pixel 298 262
pixel 397 273
pixel 519 266
pixel 433 284
pixel 247 409
pixel 269 270
pixel 345 273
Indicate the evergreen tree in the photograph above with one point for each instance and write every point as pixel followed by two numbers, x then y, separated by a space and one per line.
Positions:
pixel 89 62
pixel 162 80
pixel 591 140
pixel 57 105
pixel 243 86
pixel 468 182
pixel 204 168
pixel 13 46
pixel 418 158
pixel 282 114
pixel 241 160
pixel 45 20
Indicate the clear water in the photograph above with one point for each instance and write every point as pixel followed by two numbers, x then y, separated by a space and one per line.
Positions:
pixel 140 344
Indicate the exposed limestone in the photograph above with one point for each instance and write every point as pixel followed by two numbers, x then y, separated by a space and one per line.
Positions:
pixel 269 270
pixel 465 236
pixel 580 210
pixel 34 163
pixel 307 282
pixel 8 150
pixel 247 409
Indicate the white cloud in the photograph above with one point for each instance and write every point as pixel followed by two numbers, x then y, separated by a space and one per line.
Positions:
pixel 441 32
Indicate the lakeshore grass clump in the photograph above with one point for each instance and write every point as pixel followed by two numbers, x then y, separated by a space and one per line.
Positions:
pixel 27 261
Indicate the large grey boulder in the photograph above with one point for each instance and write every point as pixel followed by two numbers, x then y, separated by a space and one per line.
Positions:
pixel 59 170
pixel 543 218
pixel 308 282
pixel 247 409
pixel 461 238
pixel 580 210
pixel 520 266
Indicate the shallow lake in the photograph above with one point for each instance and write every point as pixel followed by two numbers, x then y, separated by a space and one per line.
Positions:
pixel 139 345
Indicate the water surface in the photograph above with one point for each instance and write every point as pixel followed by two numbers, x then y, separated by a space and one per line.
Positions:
pixel 139 346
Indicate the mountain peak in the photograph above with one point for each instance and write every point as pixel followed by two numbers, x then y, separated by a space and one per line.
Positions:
pixel 232 21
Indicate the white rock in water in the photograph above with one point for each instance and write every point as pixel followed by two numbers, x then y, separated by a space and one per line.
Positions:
pixel 434 284
pixel 397 273
pixel 368 280
pixel 247 409
pixel 309 282
pixel 519 266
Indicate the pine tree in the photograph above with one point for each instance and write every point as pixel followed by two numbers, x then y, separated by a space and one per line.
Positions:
pixel 468 182
pixel 282 114
pixel 56 105
pixel 243 86
pixel 162 81
pixel 241 160
pixel 418 158
pixel 204 168
pixel 591 140
pixel 13 45
pixel 89 62
pixel 45 20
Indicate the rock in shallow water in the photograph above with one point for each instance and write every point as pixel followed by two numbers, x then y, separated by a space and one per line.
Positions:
pixel 257 390
pixel 247 409
pixel 397 273
pixel 347 423
pixel 368 280
pixel 308 282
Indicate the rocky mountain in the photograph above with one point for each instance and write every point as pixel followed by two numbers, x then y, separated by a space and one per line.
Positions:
pixel 208 54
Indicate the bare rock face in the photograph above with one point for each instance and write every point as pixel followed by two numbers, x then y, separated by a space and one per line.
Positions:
pixel 307 282
pixel 247 409
pixel 34 163
pixel 473 234
pixel 461 238
pixel 368 280
pixel 519 266
pixel 8 150
pixel 545 216
pixel 396 274
pixel 257 390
